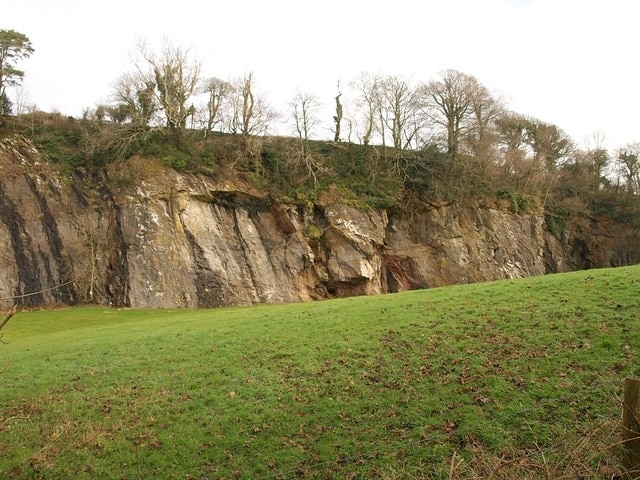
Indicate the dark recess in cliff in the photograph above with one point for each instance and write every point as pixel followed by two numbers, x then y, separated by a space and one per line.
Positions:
pixel 65 292
pixel 117 275
pixel 26 261
pixel 208 287
pixel 402 274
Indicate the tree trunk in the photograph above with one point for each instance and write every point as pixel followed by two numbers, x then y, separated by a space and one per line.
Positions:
pixel 338 118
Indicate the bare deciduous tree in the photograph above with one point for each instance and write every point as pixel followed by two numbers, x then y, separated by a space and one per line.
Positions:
pixel 368 102
pixel 248 103
pixel 628 163
pixel 596 159
pixel 176 78
pixel 532 149
pixel 549 143
pixel 512 129
pixel 304 115
pixel 247 112
pixel 303 112
pixel 337 118
pixel 486 110
pixel 400 111
pixel 217 91
pixel 449 105
pixel 133 99
pixel 22 101
pixel 159 90
pixel 134 109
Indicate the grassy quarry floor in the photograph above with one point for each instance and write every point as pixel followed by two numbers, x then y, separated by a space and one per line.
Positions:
pixel 508 379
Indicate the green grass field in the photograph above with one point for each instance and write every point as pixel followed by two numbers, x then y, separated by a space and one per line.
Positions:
pixel 440 383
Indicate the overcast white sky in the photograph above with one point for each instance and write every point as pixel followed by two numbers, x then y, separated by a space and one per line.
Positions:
pixel 573 63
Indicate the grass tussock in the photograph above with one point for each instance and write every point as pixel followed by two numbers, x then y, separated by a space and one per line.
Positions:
pixel 594 454
pixel 510 379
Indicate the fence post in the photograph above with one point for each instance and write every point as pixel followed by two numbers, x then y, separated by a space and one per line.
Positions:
pixel 631 427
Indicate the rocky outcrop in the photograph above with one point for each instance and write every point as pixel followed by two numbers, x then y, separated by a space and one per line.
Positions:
pixel 143 235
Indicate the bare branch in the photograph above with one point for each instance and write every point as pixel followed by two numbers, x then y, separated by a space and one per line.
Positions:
pixel 8 316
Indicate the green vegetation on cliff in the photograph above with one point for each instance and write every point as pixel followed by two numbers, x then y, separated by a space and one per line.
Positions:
pixel 361 175
pixel 444 383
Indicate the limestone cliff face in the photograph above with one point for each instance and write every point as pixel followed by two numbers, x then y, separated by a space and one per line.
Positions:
pixel 142 235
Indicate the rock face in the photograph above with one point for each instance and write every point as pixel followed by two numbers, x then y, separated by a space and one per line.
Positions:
pixel 143 235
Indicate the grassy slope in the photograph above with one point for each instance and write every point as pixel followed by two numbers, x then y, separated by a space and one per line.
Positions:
pixel 386 386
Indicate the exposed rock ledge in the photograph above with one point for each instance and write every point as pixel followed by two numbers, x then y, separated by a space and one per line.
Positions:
pixel 146 236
